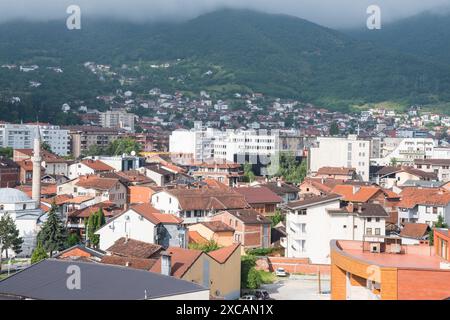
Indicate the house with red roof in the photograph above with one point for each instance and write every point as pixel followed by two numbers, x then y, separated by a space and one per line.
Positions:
pixel 261 198
pixel 424 205
pixel 144 223
pixel 88 167
pixel 100 188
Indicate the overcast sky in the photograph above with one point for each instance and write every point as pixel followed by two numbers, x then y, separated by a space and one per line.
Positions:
pixel 331 13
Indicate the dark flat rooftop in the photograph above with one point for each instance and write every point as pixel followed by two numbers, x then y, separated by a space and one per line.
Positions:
pixel 47 280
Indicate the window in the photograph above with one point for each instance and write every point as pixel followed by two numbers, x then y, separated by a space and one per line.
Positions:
pixel 435 210
pixel 369 219
pixel 377 231
pixel 369 231
pixel 24 207
pixel 377 219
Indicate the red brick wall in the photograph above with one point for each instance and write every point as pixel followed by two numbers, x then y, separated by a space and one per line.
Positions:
pixel 423 285
pixel 294 266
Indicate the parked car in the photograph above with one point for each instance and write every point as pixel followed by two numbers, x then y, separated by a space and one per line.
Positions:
pixel 262 295
pixel 248 297
pixel 280 272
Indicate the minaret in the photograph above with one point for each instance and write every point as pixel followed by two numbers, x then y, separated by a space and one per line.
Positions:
pixel 37 159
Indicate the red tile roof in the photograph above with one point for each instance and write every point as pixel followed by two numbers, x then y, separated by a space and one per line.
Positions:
pixel 336 171
pixel 411 197
pixel 97 165
pixel 356 193
pixel 414 230
pixel 222 255
pixel 134 248
pixel 154 215
pixel 131 262
pixel 255 195
pixel 195 237
pixel 209 199
pixel 182 261
pixel 95 182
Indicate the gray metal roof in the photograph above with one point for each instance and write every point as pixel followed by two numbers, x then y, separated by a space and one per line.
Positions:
pixel 47 280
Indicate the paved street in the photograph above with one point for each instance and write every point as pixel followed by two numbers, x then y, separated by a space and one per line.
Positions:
pixel 299 288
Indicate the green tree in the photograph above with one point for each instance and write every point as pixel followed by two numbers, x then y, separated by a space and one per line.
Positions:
pixel 53 234
pixel 95 150
pixel 394 162
pixel 211 245
pixel 439 224
pixel 9 236
pixel 250 277
pixel 38 254
pixel 334 129
pixel 123 145
pixel 45 146
pixel 95 222
pixel 72 239
pixel 249 176
pixel 254 279
pixel 6 152
pixel 290 169
pixel 277 217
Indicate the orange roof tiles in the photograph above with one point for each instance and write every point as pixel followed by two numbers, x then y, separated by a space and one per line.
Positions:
pixel 97 165
pixel 182 260
pixel 195 237
pixel 414 230
pixel 154 215
pixel 222 255
pixel 95 182
pixel 411 197
pixel 255 195
pixel 356 193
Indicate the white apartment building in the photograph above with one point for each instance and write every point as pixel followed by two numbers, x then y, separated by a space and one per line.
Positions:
pixel 312 223
pixel 117 119
pixel 197 142
pixel 349 152
pixel 441 153
pixel 404 150
pixel 253 146
pixel 21 136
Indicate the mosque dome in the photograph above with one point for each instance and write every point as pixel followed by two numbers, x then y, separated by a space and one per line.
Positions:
pixel 10 195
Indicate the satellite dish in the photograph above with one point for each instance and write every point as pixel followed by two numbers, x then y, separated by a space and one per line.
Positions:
pixel 133 153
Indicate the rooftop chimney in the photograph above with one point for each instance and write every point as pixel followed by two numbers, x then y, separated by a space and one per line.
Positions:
pixel 359 208
pixel 350 207
pixel 166 264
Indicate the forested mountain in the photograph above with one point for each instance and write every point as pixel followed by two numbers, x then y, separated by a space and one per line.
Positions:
pixel 279 55
pixel 426 35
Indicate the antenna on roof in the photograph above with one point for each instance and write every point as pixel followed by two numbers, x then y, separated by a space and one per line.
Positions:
pixel 145 294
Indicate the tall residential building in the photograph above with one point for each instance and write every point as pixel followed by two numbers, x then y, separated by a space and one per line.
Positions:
pixel 350 152
pixel 256 147
pixel 84 137
pixel 117 119
pixel 197 141
pixel 404 150
pixel 21 136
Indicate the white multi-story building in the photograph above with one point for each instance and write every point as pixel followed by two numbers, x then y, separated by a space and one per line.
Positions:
pixel 253 146
pixel 404 150
pixel 117 119
pixel 312 223
pixel 349 152
pixel 21 136
pixel 197 142
pixel 240 146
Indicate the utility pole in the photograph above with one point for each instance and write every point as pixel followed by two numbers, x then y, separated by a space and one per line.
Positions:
pixel 320 284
